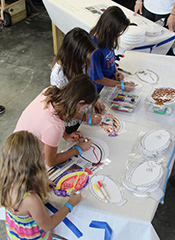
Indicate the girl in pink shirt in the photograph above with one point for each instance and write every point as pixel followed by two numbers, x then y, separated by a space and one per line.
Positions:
pixel 45 115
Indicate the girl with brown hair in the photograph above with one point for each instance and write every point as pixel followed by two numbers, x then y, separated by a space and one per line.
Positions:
pixel 46 114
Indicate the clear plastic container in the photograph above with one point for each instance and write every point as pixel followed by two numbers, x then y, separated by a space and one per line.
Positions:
pixel 125 101
pixel 152 106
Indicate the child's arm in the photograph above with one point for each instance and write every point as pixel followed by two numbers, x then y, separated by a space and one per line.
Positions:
pixel 96 118
pixel 36 208
pixel 53 158
pixel 107 82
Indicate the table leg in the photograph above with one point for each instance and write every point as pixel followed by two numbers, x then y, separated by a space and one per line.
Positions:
pixel 2 8
pixel 57 38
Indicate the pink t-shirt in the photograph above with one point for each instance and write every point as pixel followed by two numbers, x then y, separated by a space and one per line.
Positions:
pixel 41 122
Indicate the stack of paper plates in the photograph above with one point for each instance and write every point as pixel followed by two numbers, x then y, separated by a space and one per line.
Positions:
pixel 155 143
pixel 134 35
pixel 144 178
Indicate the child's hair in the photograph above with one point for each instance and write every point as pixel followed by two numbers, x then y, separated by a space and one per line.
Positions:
pixel 112 23
pixel 65 100
pixel 74 53
pixel 22 169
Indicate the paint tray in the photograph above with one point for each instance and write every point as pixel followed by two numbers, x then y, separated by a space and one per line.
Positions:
pixel 125 101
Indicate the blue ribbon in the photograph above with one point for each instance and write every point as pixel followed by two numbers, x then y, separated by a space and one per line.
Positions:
pixel 154 45
pixel 66 221
pixel 102 225
pixel 167 175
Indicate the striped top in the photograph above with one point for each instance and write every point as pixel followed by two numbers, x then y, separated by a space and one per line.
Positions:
pixel 23 228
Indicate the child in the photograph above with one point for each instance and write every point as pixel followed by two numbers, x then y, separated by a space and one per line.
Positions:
pixel 45 117
pixel 73 58
pixel 23 189
pixel 105 34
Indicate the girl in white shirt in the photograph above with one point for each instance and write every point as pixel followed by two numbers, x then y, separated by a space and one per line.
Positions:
pixel 73 58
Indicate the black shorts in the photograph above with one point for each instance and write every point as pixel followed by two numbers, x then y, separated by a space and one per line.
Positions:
pixel 72 129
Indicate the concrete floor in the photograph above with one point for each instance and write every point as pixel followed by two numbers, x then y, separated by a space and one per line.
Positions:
pixel 26 52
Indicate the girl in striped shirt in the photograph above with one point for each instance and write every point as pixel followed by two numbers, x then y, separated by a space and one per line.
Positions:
pixel 23 190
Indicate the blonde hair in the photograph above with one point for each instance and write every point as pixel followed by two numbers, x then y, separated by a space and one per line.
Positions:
pixel 22 169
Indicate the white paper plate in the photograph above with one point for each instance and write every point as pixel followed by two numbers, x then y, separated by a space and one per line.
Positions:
pixel 155 143
pixel 144 177
pixel 110 127
pixel 99 151
pixel 165 103
pixel 133 35
pixel 112 188
pixel 130 42
pixel 134 31
pixel 129 38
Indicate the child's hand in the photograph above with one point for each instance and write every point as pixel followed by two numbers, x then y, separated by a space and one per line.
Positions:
pixel 96 118
pixel 74 199
pixel 129 86
pixel 119 76
pixel 99 107
pixel 50 185
pixel 73 136
pixel 85 145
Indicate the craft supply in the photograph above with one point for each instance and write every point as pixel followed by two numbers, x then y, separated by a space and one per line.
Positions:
pixel 75 137
pixel 124 102
pixel 160 111
pixel 147 76
pixel 163 95
pixel 99 193
pixel 121 108
pixel 86 140
pixel 125 98
pixel 75 179
pixel 155 143
pixel 118 56
pixel 114 190
pixel 122 70
pixel 144 178
pixel 97 152
pixel 110 124
pixel 103 190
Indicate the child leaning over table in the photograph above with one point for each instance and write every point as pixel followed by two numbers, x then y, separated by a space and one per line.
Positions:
pixel 46 114
pixel 73 58
pixel 111 25
pixel 23 189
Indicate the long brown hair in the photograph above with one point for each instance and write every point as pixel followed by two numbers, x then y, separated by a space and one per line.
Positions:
pixel 66 99
pixel 22 169
pixel 112 23
pixel 74 53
